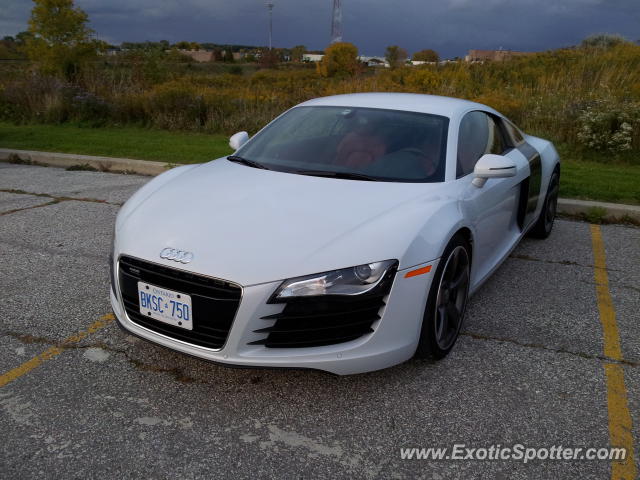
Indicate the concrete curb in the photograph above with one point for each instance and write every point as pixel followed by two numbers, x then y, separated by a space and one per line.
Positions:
pixel 607 211
pixel 103 164
pixel 566 206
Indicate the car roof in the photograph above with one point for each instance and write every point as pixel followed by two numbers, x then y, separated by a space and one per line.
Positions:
pixel 410 102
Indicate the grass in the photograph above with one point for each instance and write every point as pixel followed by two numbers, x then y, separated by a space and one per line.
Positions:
pixel 123 142
pixel 598 181
pixel 584 179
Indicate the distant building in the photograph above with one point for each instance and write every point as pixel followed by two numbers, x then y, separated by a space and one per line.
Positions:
pixel 312 57
pixel 374 61
pixel 199 55
pixel 493 55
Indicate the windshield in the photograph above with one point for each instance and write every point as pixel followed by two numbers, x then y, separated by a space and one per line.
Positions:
pixel 350 142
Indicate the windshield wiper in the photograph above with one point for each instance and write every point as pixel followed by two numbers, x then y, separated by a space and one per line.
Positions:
pixel 342 175
pixel 247 162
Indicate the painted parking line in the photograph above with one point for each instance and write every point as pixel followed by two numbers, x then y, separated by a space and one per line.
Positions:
pixel 620 427
pixel 54 351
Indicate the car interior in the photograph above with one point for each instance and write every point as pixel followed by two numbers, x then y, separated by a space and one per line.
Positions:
pixel 373 142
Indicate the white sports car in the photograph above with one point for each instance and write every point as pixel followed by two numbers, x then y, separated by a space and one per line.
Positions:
pixel 347 235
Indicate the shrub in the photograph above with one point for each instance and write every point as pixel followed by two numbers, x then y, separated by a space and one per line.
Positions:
pixel 508 105
pixel 175 105
pixel 603 40
pixel 340 59
pixel 87 107
pixel 37 97
pixel 583 97
pixel 606 126
pixel 423 80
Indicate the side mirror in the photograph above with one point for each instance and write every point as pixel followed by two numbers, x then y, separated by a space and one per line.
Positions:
pixel 492 166
pixel 237 140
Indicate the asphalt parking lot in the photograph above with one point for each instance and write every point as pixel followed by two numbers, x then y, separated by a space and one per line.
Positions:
pixel 80 399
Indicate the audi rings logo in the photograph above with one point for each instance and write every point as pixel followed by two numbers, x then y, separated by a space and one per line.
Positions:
pixel 176 255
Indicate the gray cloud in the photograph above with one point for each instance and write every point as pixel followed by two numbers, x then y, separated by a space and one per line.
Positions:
pixel 450 26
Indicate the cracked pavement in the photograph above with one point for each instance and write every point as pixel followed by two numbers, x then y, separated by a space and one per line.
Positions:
pixel 527 369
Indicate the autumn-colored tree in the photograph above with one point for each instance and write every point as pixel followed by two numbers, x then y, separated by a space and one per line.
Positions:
pixel 268 58
pixel 187 45
pixel 427 55
pixel 396 56
pixel 297 53
pixel 340 59
pixel 61 43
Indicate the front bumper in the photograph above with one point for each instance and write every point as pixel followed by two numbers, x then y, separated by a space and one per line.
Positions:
pixel 393 340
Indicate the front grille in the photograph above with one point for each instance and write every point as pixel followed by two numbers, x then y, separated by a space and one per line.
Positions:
pixel 321 321
pixel 214 302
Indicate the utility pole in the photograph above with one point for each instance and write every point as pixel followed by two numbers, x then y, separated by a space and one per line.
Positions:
pixel 270 8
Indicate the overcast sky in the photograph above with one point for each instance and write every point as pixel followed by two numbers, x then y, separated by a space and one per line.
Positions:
pixel 449 26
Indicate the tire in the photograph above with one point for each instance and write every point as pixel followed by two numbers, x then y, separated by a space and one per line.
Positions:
pixel 439 334
pixel 543 226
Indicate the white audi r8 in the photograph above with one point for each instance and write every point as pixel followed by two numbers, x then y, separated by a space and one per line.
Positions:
pixel 347 235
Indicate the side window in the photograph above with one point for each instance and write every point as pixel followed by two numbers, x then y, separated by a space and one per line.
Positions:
pixel 497 145
pixel 479 134
pixel 513 132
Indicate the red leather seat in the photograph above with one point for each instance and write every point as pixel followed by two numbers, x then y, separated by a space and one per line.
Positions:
pixel 358 150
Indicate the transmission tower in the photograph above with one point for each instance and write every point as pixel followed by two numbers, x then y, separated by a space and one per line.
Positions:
pixel 336 24
pixel 269 6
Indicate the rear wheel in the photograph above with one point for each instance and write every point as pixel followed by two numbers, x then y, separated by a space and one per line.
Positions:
pixel 544 225
pixel 447 302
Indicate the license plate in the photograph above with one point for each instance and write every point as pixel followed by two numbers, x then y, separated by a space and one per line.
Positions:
pixel 165 305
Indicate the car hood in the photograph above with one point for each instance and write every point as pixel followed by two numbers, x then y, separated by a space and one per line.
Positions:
pixel 253 226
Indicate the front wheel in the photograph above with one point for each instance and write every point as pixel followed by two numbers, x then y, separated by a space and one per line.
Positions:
pixel 447 301
pixel 544 224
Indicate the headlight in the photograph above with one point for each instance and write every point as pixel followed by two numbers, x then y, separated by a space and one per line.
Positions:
pixel 346 281
pixel 112 275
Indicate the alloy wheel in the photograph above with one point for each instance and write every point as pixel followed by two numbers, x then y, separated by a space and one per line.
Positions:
pixel 452 296
pixel 552 204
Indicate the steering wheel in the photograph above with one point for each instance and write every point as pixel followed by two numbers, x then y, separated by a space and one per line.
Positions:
pixel 427 163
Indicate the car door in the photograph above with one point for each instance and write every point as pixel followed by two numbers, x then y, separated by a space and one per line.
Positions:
pixel 493 208
pixel 531 186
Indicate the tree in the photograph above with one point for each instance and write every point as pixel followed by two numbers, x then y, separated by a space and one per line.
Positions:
pixel 61 41
pixel 427 55
pixel 23 37
pixel 297 53
pixel 604 40
pixel 340 59
pixel 268 58
pixel 396 56
pixel 9 48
